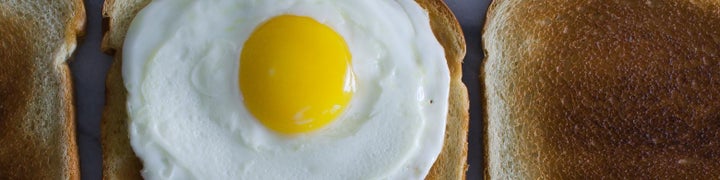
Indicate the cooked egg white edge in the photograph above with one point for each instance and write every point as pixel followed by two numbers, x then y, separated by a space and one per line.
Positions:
pixel 148 56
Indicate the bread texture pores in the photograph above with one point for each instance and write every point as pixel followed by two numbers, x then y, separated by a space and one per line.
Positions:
pixel 37 125
pixel 603 89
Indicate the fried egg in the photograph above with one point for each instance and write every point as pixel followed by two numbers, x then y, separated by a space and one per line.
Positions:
pixel 273 89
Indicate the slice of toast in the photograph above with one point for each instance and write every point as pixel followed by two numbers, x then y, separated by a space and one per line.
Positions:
pixel 603 89
pixel 37 118
pixel 452 161
pixel 120 162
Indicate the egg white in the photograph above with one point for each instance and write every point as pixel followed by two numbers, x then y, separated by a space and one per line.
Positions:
pixel 188 120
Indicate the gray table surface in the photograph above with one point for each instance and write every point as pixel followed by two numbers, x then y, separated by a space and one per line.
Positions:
pixel 90 66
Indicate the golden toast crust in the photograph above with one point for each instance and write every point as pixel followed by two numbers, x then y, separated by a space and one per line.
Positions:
pixel 37 118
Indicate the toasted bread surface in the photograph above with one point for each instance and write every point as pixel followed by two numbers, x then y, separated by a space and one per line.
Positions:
pixel 120 162
pixel 37 124
pixel 603 89
pixel 452 161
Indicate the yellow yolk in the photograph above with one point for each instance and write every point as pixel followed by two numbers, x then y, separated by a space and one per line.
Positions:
pixel 295 74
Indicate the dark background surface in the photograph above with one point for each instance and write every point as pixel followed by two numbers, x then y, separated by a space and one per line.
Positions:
pixel 90 66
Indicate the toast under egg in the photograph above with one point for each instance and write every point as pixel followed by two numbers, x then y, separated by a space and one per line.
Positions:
pixel 120 162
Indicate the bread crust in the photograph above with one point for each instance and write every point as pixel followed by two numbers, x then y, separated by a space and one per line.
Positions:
pixel 603 89
pixel 120 161
pixel 452 161
pixel 37 116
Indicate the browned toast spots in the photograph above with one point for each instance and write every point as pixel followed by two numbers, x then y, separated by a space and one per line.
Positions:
pixel 37 124
pixel 603 89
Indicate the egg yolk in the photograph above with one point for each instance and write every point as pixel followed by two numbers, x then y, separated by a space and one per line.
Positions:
pixel 295 74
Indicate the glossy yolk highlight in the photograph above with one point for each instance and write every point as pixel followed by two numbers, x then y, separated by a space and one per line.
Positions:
pixel 295 74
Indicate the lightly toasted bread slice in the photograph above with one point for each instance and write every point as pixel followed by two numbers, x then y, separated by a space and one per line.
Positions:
pixel 120 162
pixel 603 89
pixel 37 118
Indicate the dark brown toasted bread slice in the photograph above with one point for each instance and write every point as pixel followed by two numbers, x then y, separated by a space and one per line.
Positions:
pixel 37 124
pixel 603 89
pixel 120 162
